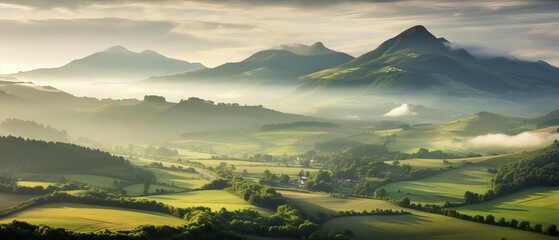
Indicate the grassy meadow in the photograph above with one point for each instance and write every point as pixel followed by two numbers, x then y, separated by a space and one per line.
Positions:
pixel 314 202
pixel 447 186
pixel 214 199
pixel 424 226
pixel 536 205
pixel 89 218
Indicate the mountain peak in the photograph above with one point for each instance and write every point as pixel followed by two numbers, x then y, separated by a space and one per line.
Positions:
pixel 416 33
pixel 116 48
pixel 315 49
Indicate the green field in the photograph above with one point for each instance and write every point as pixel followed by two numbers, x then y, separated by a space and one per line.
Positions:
pixel 214 199
pixel 9 200
pixel 418 225
pixel 180 179
pixel 35 184
pixel 289 141
pixel 314 202
pixel 536 205
pixel 257 168
pixel 447 186
pixel 89 218
pixel 424 226
pixel 93 180
pixel 423 163
pixel 138 189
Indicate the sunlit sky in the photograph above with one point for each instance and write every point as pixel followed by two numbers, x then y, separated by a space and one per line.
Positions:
pixel 50 33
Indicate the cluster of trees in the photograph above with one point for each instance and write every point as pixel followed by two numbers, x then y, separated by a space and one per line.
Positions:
pixel 34 130
pixel 34 156
pixel 281 126
pixel 257 194
pixel 152 151
pixel 375 212
pixel 489 219
pixel 271 179
pixel 320 181
pixel 540 169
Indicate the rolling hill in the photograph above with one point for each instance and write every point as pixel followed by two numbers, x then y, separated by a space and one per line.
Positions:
pixel 134 119
pixel 285 63
pixel 113 63
pixel 416 60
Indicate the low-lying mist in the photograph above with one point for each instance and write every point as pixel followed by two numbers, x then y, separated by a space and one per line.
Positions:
pixel 499 143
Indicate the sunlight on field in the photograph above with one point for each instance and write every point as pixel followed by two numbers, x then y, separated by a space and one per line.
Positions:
pixel 214 199
pixel 89 218
pixel 447 186
pixel 536 205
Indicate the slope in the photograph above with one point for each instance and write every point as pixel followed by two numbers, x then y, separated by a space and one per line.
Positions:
pixel 286 63
pixel 113 63
pixel 417 60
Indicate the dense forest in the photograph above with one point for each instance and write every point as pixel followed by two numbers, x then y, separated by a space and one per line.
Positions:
pixel 539 170
pixel 33 156
pixel 31 129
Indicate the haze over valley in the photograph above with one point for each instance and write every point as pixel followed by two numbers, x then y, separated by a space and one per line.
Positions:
pixel 279 120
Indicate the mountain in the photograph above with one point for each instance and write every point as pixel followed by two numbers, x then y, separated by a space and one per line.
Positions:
pixel 113 63
pixel 550 119
pixel 416 60
pixel 285 63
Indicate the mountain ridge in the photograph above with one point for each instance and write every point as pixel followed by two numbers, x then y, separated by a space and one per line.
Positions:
pixel 115 62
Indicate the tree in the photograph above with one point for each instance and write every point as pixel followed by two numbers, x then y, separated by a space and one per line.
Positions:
pixel 551 230
pixel 380 193
pixel 490 219
pixel 146 188
pixel 284 179
pixel 404 202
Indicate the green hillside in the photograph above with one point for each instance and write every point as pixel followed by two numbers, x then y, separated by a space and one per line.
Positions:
pixel 283 64
pixel 417 60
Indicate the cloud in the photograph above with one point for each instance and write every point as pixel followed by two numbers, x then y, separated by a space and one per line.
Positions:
pixel 522 141
pixel 402 110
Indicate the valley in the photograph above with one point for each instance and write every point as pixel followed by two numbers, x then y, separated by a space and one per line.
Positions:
pixel 390 132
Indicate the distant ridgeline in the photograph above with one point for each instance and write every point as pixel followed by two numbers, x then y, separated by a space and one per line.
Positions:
pixel 281 126
pixel 31 129
pixel 32 156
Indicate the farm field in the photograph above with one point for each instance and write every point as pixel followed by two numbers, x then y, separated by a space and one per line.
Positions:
pixel 89 218
pixel 423 163
pixel 536 205
pixel 424 226
pixel 9 200
pixel 93 180
pixel 257 168
pixel 35 184
pixel 179 179
pixel 214 199
pixel 314 202
pixel 447 186
pixel 418 225
pixel 138 189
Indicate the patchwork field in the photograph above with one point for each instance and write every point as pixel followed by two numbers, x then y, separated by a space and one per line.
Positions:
pixel 89 218
pixel 447 186
pixel 9 200
pixel 35 184
pixel 536 205
pixel 214 199
pixel 257 168
pixel 424 226
pixel 418 225
pixel 179 179
pixel 97 181
pixel 314 202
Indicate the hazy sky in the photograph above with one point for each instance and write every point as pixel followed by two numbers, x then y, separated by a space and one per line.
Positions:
pixel 50 33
